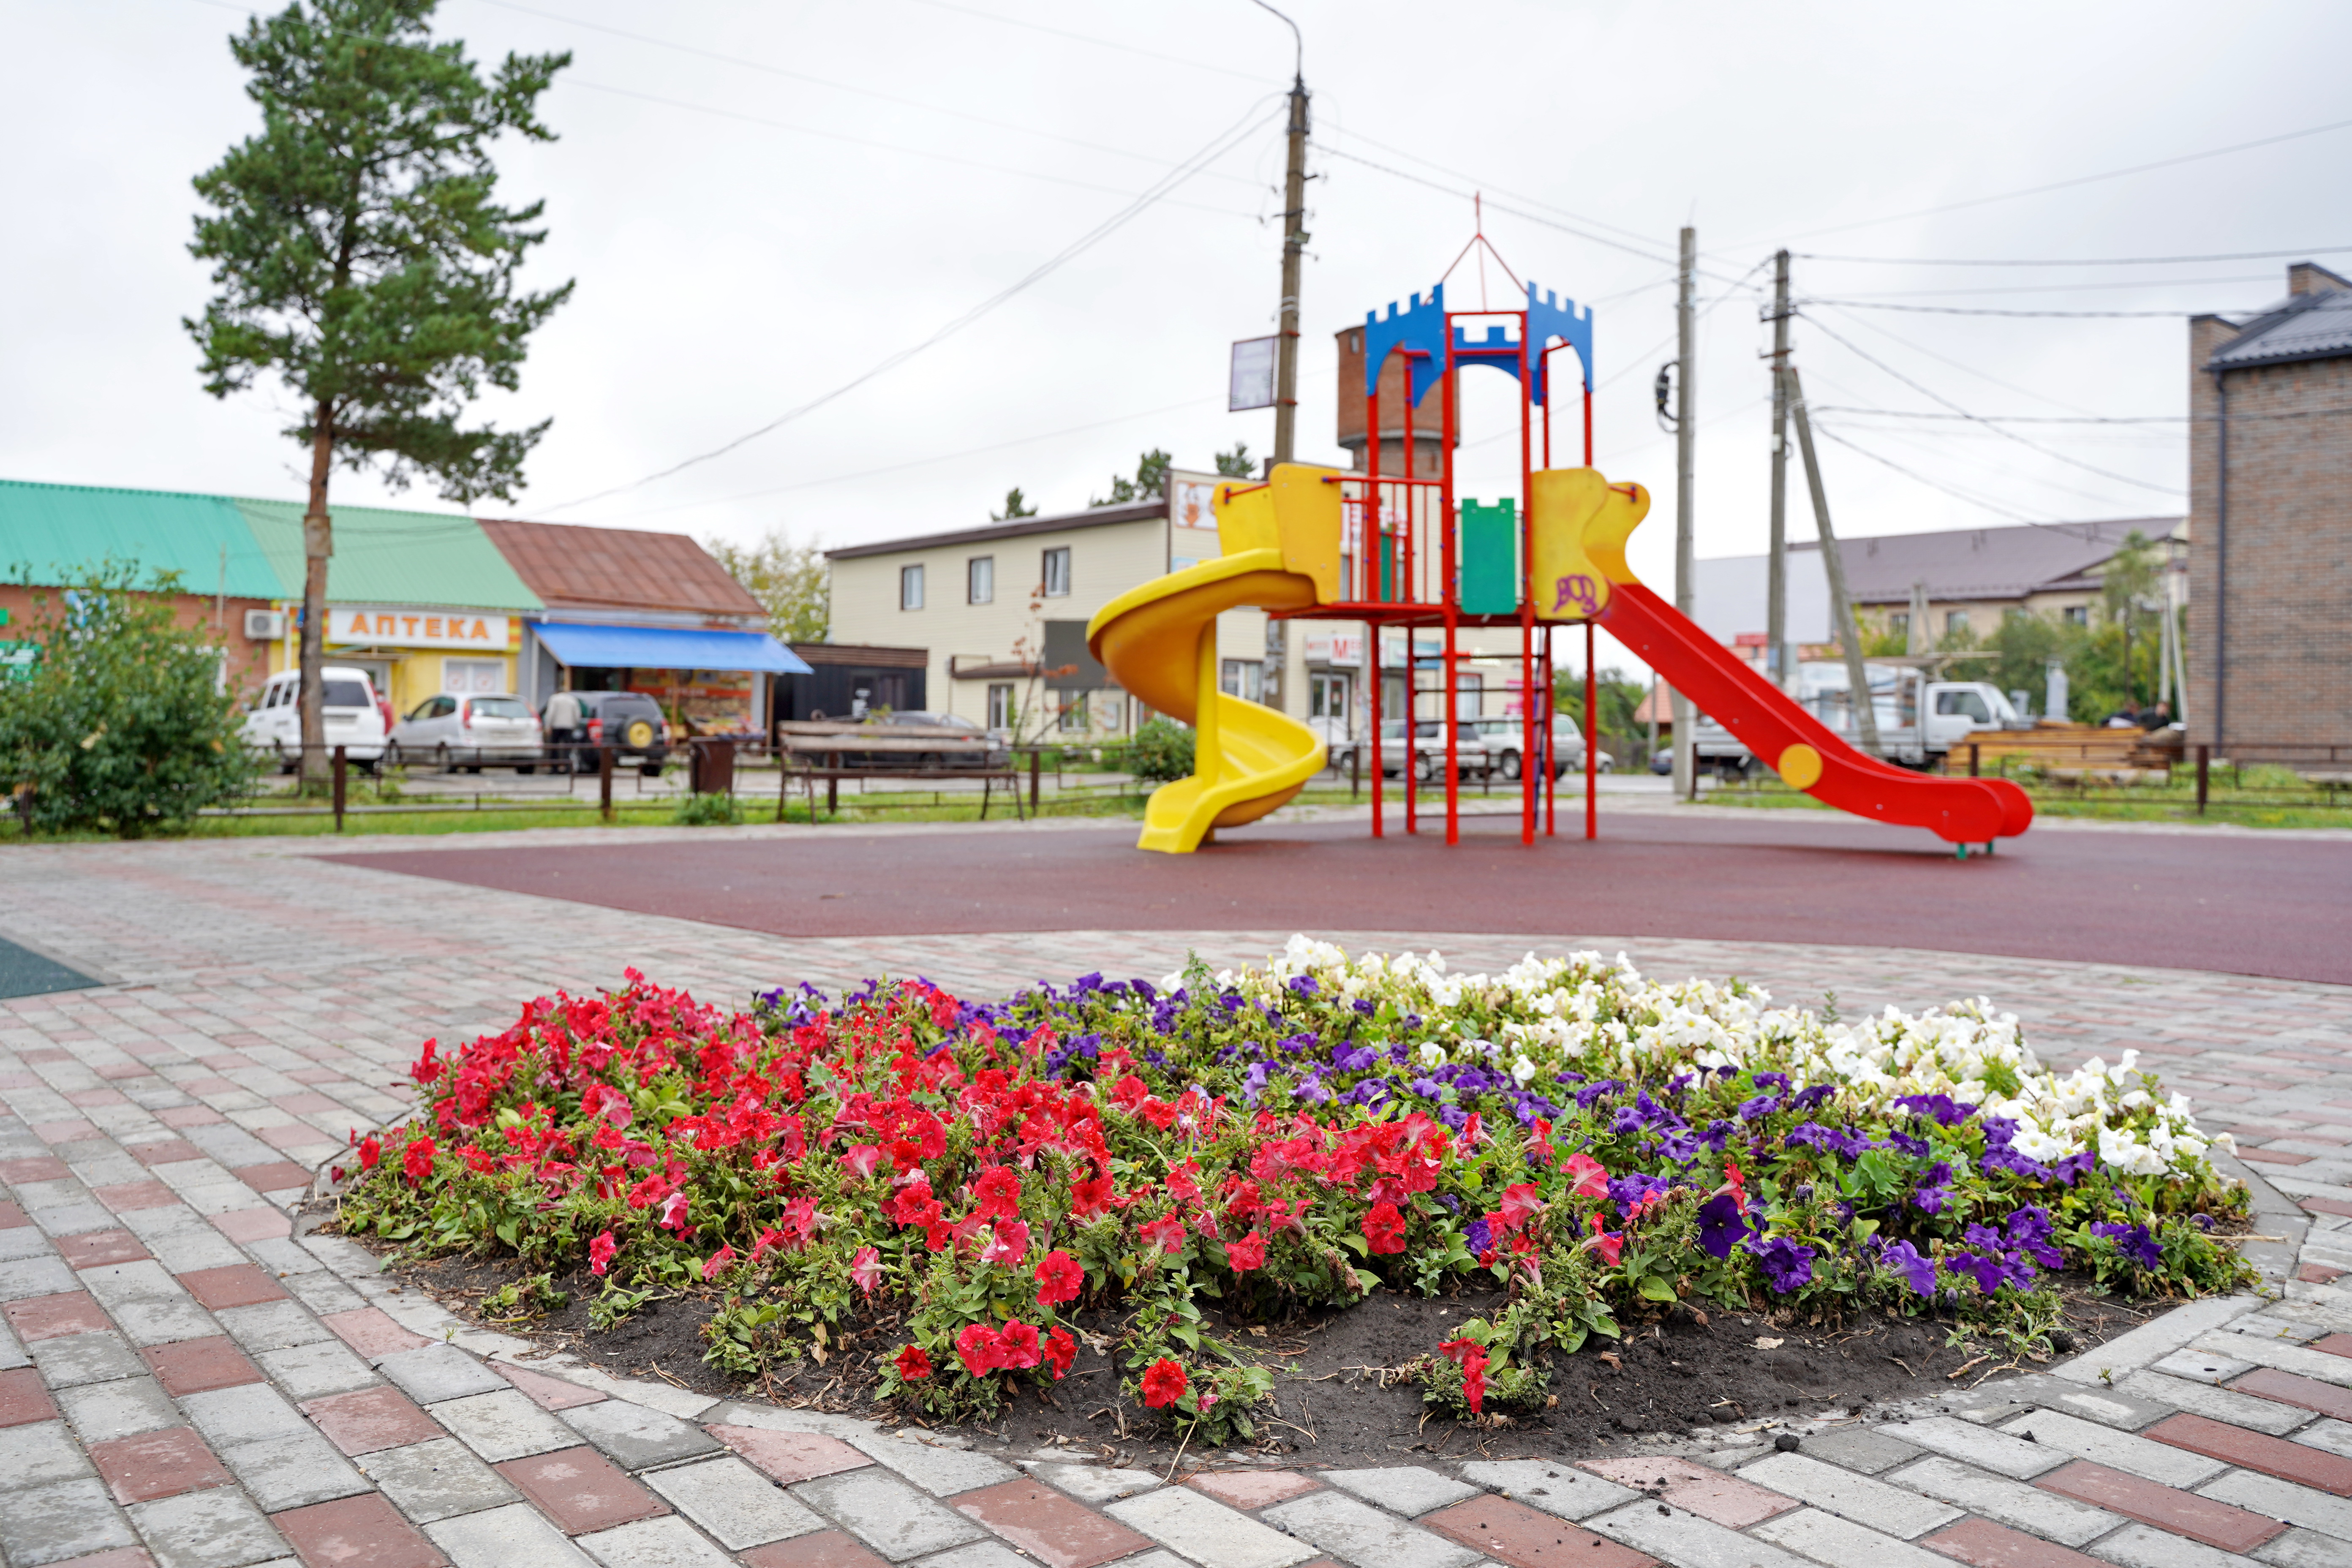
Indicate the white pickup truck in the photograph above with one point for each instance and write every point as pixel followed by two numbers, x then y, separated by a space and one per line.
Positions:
pixel 1955 711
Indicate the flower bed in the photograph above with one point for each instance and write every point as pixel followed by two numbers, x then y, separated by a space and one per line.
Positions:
pixel 1289 1136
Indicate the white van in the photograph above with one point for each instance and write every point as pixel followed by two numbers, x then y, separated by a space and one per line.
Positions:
pixel 355 720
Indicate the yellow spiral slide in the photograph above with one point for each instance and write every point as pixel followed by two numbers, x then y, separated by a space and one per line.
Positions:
pixel 1281 544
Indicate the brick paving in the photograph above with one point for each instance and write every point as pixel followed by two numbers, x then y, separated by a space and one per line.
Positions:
pixel 185 1382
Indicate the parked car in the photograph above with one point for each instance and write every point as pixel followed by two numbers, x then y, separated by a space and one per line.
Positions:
pixel 577 722
pixel 355 720
pixel 468 731
pixel 1505 735
pixel 998 756
pixel 1661 761
pixel 1471 758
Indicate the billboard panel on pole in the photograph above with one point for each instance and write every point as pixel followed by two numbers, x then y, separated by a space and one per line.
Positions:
pixel 1252 383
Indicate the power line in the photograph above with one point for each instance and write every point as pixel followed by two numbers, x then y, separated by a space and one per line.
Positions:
pixel 2112 261
pixel 1985 376
pixel 1856 349
pixel 2000 310
pixel 2235 418
pixel 1913 474
pixel 883 146
pixel 880 97
pixel 1482 185
pixel 2068 288
pixel 1099 42
pixel 2080 180
pixel 1223 142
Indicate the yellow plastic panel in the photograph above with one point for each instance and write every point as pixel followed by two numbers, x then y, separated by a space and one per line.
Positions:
pixel 1579 522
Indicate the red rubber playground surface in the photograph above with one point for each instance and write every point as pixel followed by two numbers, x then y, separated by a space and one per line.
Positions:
pixel 2235 904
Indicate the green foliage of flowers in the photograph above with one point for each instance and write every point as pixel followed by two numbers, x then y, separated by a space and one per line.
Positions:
pixel 1161 752
pixel 957 1195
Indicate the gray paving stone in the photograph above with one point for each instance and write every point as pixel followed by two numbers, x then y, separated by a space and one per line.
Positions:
pixel 182 1239
pixel 1955 1439
pixel 1893 1511
pixel 85 1358
pixel 515 1536
pixel 292 1472
pixel 40 1452
pixel 219 1527
pixel 250 1412
pixel 75 1219
pixel 654 1543
pixel 323 1293
pixel 2271 1326
pixel 892 1517
pixel 2306 1506
pixel 1555 1487
pixel 430 1373
pixel 273 1326
pixel 100 1411
pixel 1860 1448
pixel 1686 1540
pixel 342 1254
pixel 309 1372
pixel 2107 1405
pixel 1842 1542
pixel 989 1554
pixel 1199 1526
pixel 2141 1546
pixel 2154 1340
pixel 12 1353
pixel 738 1505
pixel 1091 1483
pixel 941 1471
pixel 2303 1549
pixel 1409 1489
pixel 2013 1503
pixel 2139 1456
pixel 634 1437
pixel 437 1481
pixel 23 1241
pixel 149 1306
pixel 28 1277
pixel 2220 1404
pixel 2280 1354
pixel 503 1425
pixel 282 1258
pixel 60 1522
pixel 1357 1533
pixel 2200 1366
pixel 2331 1435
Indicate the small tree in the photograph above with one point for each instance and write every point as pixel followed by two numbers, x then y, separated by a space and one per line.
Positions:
pixel 1151 480
pixel 1015 505
pixel 792 582
pixel 1235 464
pixel 361 259
pixel 123 724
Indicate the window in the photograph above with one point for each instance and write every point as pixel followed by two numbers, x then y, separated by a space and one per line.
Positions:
pixel 473 675
pixel 1243 677
pixel 979 579
pixel 344 694
pixel 1899 625
pixel 1057 572
pixel 1073 709
pixel 910 587
pixel 1326 697
pixel 2078 615
pixel 1954 621
pixel 1001 711
pixel 1110 712
pixel 1470 697
pixel 1967 704
pixel 498 707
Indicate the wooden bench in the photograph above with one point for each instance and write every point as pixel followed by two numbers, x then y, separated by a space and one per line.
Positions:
pixel 816 737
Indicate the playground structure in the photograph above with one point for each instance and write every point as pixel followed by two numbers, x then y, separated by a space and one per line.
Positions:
pixel 1406 552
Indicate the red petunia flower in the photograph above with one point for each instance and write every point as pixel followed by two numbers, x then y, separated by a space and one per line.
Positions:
pixel 912 1363
pixel 716 1264
pixel 1165 1383
pixel 418 1160
pixel 866 1268
pixel 1059 1278
pixel 1471 1356
pixel 1159 1113
pixel 1090 1197
pixel 1019 1345
pixel 1248 1253
pixel 1007 1243
pixel 1384 1228
pixel 371 1151
pixel 1166 1234
pixel 1590 1178
pixel 1520 1204
pixel 979 1349
pixel 862 1159
pixel 1061 1349
pixel 998 1191
pixel 600 1253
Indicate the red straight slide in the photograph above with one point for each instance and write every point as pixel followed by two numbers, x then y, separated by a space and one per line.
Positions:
pixel 1802 750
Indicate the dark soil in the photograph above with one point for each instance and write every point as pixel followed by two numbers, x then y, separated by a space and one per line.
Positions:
pixel 1340 1399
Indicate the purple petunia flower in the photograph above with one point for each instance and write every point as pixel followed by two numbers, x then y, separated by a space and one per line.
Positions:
pixel 1902 1259
pixel 1478 1238
pixel 1761 1106
pixel 1787 1266
pixel 1721 1227
pixel 1946 1111
pixel 1934 1189
pixel 2135 1242
pixel 1628 1190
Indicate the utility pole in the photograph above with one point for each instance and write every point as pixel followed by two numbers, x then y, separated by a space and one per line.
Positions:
pixel 1286 346
pixel 1685 429
pixel 1865 711
pixel 1776 570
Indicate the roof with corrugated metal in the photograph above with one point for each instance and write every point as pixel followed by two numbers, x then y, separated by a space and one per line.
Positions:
pixel 1093 517
pixel 1985 563
pixel 52 533
pixel 575 567
pixel 387 557
pixel 2300 327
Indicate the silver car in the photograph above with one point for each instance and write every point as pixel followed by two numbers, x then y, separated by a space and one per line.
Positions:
pixel 453 731
pixel 1504 736
pixel 1471 756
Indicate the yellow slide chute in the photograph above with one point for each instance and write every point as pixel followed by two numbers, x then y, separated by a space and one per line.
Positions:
pixel 1281 540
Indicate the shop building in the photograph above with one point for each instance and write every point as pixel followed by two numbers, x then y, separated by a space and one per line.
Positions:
pixel 626 609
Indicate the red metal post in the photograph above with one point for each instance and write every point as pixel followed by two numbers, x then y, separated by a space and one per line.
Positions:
pixel 1550 783
pixel 1592 742
pixel 1449 594
pixel 1373 653
pixel 1588 416
pixel 1528 713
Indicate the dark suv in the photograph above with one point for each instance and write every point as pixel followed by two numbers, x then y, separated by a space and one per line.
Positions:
pixel 629 721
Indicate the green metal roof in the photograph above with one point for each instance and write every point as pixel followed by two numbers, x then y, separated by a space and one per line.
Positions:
pixel 50 533
pixel 386 557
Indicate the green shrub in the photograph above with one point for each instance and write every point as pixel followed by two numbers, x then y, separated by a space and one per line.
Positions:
pixel 123 724
pixel 707 811
pixel 1162 752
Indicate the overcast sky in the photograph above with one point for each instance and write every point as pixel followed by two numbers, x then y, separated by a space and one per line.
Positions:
pixel 763 202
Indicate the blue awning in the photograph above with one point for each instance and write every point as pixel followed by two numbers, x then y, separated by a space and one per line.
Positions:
pixel 666 647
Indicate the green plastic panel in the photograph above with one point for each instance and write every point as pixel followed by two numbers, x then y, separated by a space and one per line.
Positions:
pixel 1490 558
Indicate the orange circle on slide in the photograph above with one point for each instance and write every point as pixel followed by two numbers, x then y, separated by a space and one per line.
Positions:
pixel 1800 766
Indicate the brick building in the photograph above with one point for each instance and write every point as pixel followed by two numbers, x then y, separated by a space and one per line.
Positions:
pixel 2270 486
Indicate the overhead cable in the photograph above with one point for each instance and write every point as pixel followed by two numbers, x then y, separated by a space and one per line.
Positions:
pixel 2079 261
